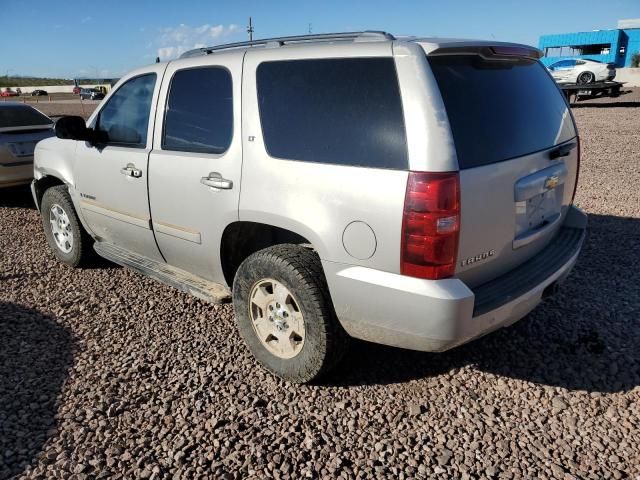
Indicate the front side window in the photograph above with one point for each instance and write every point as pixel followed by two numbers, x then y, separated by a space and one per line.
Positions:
pixel 199 113
pixel 345 111
pixel 124 120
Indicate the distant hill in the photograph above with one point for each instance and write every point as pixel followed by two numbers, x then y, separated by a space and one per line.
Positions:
pixel 37 81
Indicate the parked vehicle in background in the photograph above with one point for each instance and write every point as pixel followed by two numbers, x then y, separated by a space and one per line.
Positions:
pixel 333 185
pixel 76 90
pixel 7 92
pixel 582 71
pixel 21 127
pixel 39 93
pixel 91 94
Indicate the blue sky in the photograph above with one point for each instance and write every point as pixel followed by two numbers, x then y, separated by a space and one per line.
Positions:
pixel 109 38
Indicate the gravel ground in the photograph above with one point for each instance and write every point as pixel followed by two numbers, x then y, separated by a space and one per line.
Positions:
pixel 106 374
pixel 83 109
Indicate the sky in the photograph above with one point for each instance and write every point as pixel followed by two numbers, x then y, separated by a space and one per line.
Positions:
pixel 72 39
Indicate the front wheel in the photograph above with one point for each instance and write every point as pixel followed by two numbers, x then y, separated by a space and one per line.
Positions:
pixel 285 315
pixel 65 235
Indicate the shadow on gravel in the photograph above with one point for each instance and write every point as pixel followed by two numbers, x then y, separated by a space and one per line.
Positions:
pixel 584 338
pixel 16 197
pixel 35 356
pixel 586 104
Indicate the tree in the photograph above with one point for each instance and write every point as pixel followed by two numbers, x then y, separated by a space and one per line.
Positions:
pixel 635 60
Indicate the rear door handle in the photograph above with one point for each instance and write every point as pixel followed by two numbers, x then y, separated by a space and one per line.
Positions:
pixel 215 180
pixel 562 151
pixel 131 171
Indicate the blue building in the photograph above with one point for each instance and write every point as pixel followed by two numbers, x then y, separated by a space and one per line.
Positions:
pixel 608 46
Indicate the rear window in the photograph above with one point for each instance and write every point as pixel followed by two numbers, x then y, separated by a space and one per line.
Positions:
pixel 340 111
pixel 22 116
pixel 500 110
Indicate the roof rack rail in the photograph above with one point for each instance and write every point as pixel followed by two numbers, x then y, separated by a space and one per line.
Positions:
pixel 279 41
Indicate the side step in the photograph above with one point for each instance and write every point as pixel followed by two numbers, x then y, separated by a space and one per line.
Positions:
pixel 172 276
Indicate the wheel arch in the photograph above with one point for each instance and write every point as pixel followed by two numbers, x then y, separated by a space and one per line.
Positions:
pixel 243 238
pixel 42 184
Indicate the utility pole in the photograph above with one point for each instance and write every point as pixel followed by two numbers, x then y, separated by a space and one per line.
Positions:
pixel 250 30
pixel 309 28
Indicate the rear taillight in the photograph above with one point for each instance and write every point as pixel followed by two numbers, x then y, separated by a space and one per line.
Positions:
pixel 430 225
pixel 575 186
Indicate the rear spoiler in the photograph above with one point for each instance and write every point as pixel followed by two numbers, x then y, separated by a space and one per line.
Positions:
pixel 505 52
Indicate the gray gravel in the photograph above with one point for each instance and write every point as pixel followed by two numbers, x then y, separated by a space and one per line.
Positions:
pixel 106 374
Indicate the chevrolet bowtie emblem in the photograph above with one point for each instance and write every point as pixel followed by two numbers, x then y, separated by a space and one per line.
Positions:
pixel 551 182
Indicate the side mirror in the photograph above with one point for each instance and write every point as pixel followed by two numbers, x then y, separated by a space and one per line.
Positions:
pixel 72 128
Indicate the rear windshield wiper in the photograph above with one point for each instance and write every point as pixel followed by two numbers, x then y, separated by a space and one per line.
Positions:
pixel 562 150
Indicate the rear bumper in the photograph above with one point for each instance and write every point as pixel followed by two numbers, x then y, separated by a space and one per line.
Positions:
pixel 436 315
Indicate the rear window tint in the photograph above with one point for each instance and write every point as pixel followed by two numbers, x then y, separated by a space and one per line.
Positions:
pixel 22 116
pixel 338 111
pixel 199 115
pixel 500 109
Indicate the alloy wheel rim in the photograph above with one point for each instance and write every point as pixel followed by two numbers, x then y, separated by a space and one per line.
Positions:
pixel 61 228
pixel 276 318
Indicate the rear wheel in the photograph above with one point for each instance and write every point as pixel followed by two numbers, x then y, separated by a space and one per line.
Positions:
pixel 586 77
pixel 285 315
pixel 65 235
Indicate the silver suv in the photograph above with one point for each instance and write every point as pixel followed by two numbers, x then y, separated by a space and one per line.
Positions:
pixel 412 192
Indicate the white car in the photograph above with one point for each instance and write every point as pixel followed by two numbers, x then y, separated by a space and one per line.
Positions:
pixel 582 70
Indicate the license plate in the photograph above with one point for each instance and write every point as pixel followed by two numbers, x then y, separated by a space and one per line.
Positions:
pixel 541 208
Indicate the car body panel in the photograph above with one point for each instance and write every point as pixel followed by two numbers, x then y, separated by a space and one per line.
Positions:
pixel 437 315
pixel 189 232
pixel 488 200
pixel 319 201
pixel 115 205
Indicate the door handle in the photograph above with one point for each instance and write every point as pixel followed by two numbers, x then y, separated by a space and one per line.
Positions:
pixel 131 171
pixel 215 180
pixel 562 151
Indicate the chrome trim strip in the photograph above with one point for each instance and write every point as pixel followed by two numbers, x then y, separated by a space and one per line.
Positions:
pixel 121 215
pixel 178 232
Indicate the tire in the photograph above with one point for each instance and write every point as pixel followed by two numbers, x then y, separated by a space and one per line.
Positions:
pixel 586 77
pixel 77 248
pixel 320 342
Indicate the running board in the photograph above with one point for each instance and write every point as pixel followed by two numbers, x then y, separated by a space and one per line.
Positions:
pixel 172 276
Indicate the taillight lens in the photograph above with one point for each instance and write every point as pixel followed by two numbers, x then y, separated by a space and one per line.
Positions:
pixel 575 186
pixel 430 225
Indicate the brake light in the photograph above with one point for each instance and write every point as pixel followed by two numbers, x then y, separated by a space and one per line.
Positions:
pixel 430 225
pixel 516 51
pixel 575 186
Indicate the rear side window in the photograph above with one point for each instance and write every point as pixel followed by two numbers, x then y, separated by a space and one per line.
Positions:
pixel 22 116
pixel 500 110
pixel 340 111
pixel 199 114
